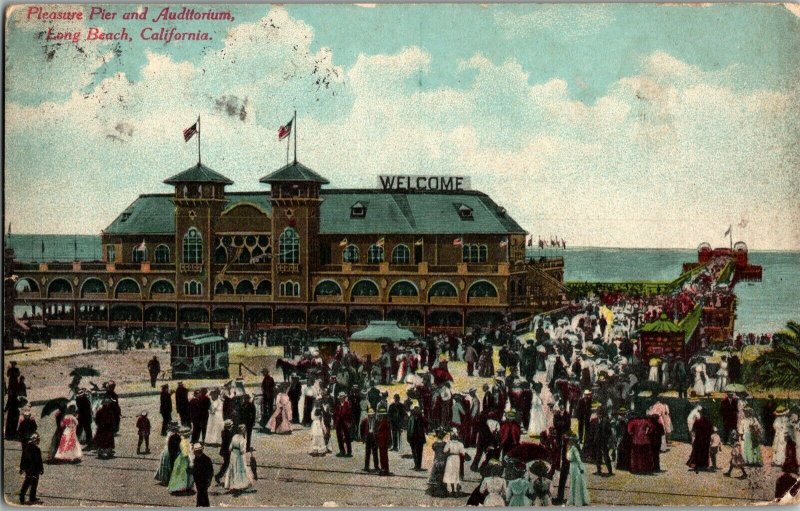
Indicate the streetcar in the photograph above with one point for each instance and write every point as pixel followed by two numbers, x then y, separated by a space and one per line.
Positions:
pixel 200 356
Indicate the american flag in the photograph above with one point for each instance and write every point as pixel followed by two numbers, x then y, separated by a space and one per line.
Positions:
pixel 189 132
pixel 458 242
pixel 285 130
pixel 504 242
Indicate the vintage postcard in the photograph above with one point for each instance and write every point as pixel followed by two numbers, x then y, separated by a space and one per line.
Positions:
pixel 404 255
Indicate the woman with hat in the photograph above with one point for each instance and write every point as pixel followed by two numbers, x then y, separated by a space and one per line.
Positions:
pixel 494 485
pixel 180 479
pixel 752 435
pixel 165 465
pixel 319 446
pixel 455 462
pixel 104 436
pixel 238 477
pixel 58 416
pixel 781 427
pixel 69 449
pixel 216 421
pixel 578 492
pixel 281 420
pixel 436 487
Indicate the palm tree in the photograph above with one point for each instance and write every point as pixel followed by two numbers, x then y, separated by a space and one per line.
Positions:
pixel 780 367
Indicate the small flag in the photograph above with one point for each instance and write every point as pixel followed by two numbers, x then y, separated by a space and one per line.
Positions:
pixel 458 242
pixel 141 246
pixel 728 231
pixel 504 242
pixel 189 132
pixel 285 130
pixel 541 244
pixel 343 243
pixel 418 242
pixel 530 241
pixel 379 243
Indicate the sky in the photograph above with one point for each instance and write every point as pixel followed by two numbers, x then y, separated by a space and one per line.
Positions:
pixel 606 125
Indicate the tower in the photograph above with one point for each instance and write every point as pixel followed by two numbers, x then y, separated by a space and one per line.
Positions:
pixel 295 197
pixel 199 198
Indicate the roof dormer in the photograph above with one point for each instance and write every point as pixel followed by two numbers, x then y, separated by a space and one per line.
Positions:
pixel 465 212
pixel 358 210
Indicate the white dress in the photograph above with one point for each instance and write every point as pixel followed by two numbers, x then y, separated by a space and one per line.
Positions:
pixel 452 469
pixel 239 475
pixel 781 426
pixel 699 385
pixel 215 423
pixel 722 376
pixel 538 422
pixel 318 445
pixel 496 488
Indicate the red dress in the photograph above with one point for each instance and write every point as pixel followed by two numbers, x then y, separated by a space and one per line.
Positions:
pixel 641 453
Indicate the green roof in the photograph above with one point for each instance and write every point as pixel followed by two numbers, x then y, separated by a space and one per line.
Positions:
pixel 198 174
pixel 662 325
pixel 294 171
pixel 203 338
pixel 414 213
pixel 379 330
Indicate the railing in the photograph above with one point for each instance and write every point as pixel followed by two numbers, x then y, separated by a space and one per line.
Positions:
pixel 95 296
pixel 28 295
pixel 404 299
pixel 366 299
pixel 545 263
pixel 129 296
pixel 328 298
pixel 93 266
pixel 243 298
pixel 444 300
pixel 191 267
pixel 61 295
pixel 288 268
pixel 128 266
pixel 163 296
pixel 483 300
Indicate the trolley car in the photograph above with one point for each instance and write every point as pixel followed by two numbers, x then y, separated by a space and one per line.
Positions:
pixel 200 356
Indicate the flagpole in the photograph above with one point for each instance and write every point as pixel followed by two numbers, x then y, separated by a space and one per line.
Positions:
pixel 198 140
pixel 294 122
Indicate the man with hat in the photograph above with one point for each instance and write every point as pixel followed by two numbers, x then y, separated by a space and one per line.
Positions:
pixel 416 432
pixel 342 418
pixel 203 472
pixel 383 437
pixel 268 397
pixel 397 416
pixel 729 409
pixel 105 419
pixel 165 408
pixel 368 430
pixel 143 428
pixel 247 417
pixel 84 406
pixel 153 367
pixel 32 466
pixel 225 450
pixel 294 392
pixel 583 412
pixel 182 403
pixel 27 425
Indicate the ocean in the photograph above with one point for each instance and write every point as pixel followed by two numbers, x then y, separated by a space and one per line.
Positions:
pixel 763 306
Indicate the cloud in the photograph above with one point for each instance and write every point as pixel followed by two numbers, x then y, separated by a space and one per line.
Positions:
pixel 566 20
pixel 667 155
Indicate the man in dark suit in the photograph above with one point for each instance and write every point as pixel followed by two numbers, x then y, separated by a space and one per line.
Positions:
pixel 84 406
pixel 368 429
pixel 247 416
pixel 165 409
pixel 225 450
pixel 383 437
pixel 397 416
pixel 729 409
pixel 153 367
pixel 268 397
pixel 203 471
pixel 342 418
pixel 31 465
pixel 583 412
pixel 415 434
pixel 204 410
pixel 182 403
pixel 294 393
pixel 194 417
pixel 601 442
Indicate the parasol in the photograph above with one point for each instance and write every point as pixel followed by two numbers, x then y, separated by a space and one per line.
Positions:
pixel 735 387
pixel 59 403
pixel 527 452
pixel 84 371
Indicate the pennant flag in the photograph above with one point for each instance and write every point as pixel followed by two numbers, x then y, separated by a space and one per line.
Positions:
pixel 379 243
pixel 563 243
pixel 343 243
pixel 140 246
pixel 728 231
pixel 285 130
pixel 504 242
pixel 458 242
pixel 418 243
pixel 189 132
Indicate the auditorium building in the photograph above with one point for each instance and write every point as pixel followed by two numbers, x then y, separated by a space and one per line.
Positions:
pixel 298 254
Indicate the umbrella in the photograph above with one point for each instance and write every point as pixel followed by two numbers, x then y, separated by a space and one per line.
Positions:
pixel 735 387
pixel 539 468
pixel 84 371
pixel 59 403
pixel 527 452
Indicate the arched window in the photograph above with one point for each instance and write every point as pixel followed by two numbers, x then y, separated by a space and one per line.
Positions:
pixel 403 288
pixel 128 286
pixel 290 288
pixel 245 287
pixel 483 253
pixel 327 288
pixel 375 254
pixel 350 254
pixel 264 288
pixel 26 285
pixel 244 256
pixel 401 255
pixel 482 288
pixel 192 246
pixel 192 287
pixel 365 288
pixel 59 286
pixel 139 253
pixel 162 254
pixel 93 285
pixel 289 246
pixel 475 253
pixel 220 255
pixel 162 287
pixel 443 289
pixel 223 288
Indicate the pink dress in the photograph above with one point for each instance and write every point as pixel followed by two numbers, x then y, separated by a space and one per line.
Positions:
pixel 69 449
pixel 281 420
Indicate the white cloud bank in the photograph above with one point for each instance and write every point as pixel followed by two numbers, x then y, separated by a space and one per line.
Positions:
pixel 668 157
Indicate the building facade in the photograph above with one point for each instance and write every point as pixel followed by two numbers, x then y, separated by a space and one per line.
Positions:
pixel 299 255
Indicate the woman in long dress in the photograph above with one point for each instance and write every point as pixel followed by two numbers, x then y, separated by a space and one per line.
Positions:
pixel 318 432
pixel 180 480
pixel 215 420
pixel 494 485
pixel 452 470
pixel 518 492
pixel 239 476
pixel 281 420
pixel 722 375
pixel 436 487
pixel 56 439
pixel 165 464
pixel 578 492
pixel 752 433
pixel 69 448
pixel 538 421
pixel 653 374
pixel 700 378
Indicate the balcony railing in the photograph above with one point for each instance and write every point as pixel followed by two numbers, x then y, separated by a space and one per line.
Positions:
pixel 95 296
pixel 28 295
pixel 288 268
pixel 366 299
pixel 61 295
pixel 329 298
pixel 483 300
pixel 129 296
pixel 404 299
pixel 163 296
pixel 191 267
pixel 444 300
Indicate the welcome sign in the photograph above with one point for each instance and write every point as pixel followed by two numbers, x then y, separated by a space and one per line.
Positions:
pixel 410 183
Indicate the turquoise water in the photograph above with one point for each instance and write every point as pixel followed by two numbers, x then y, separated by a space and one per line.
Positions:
pixel 763 306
